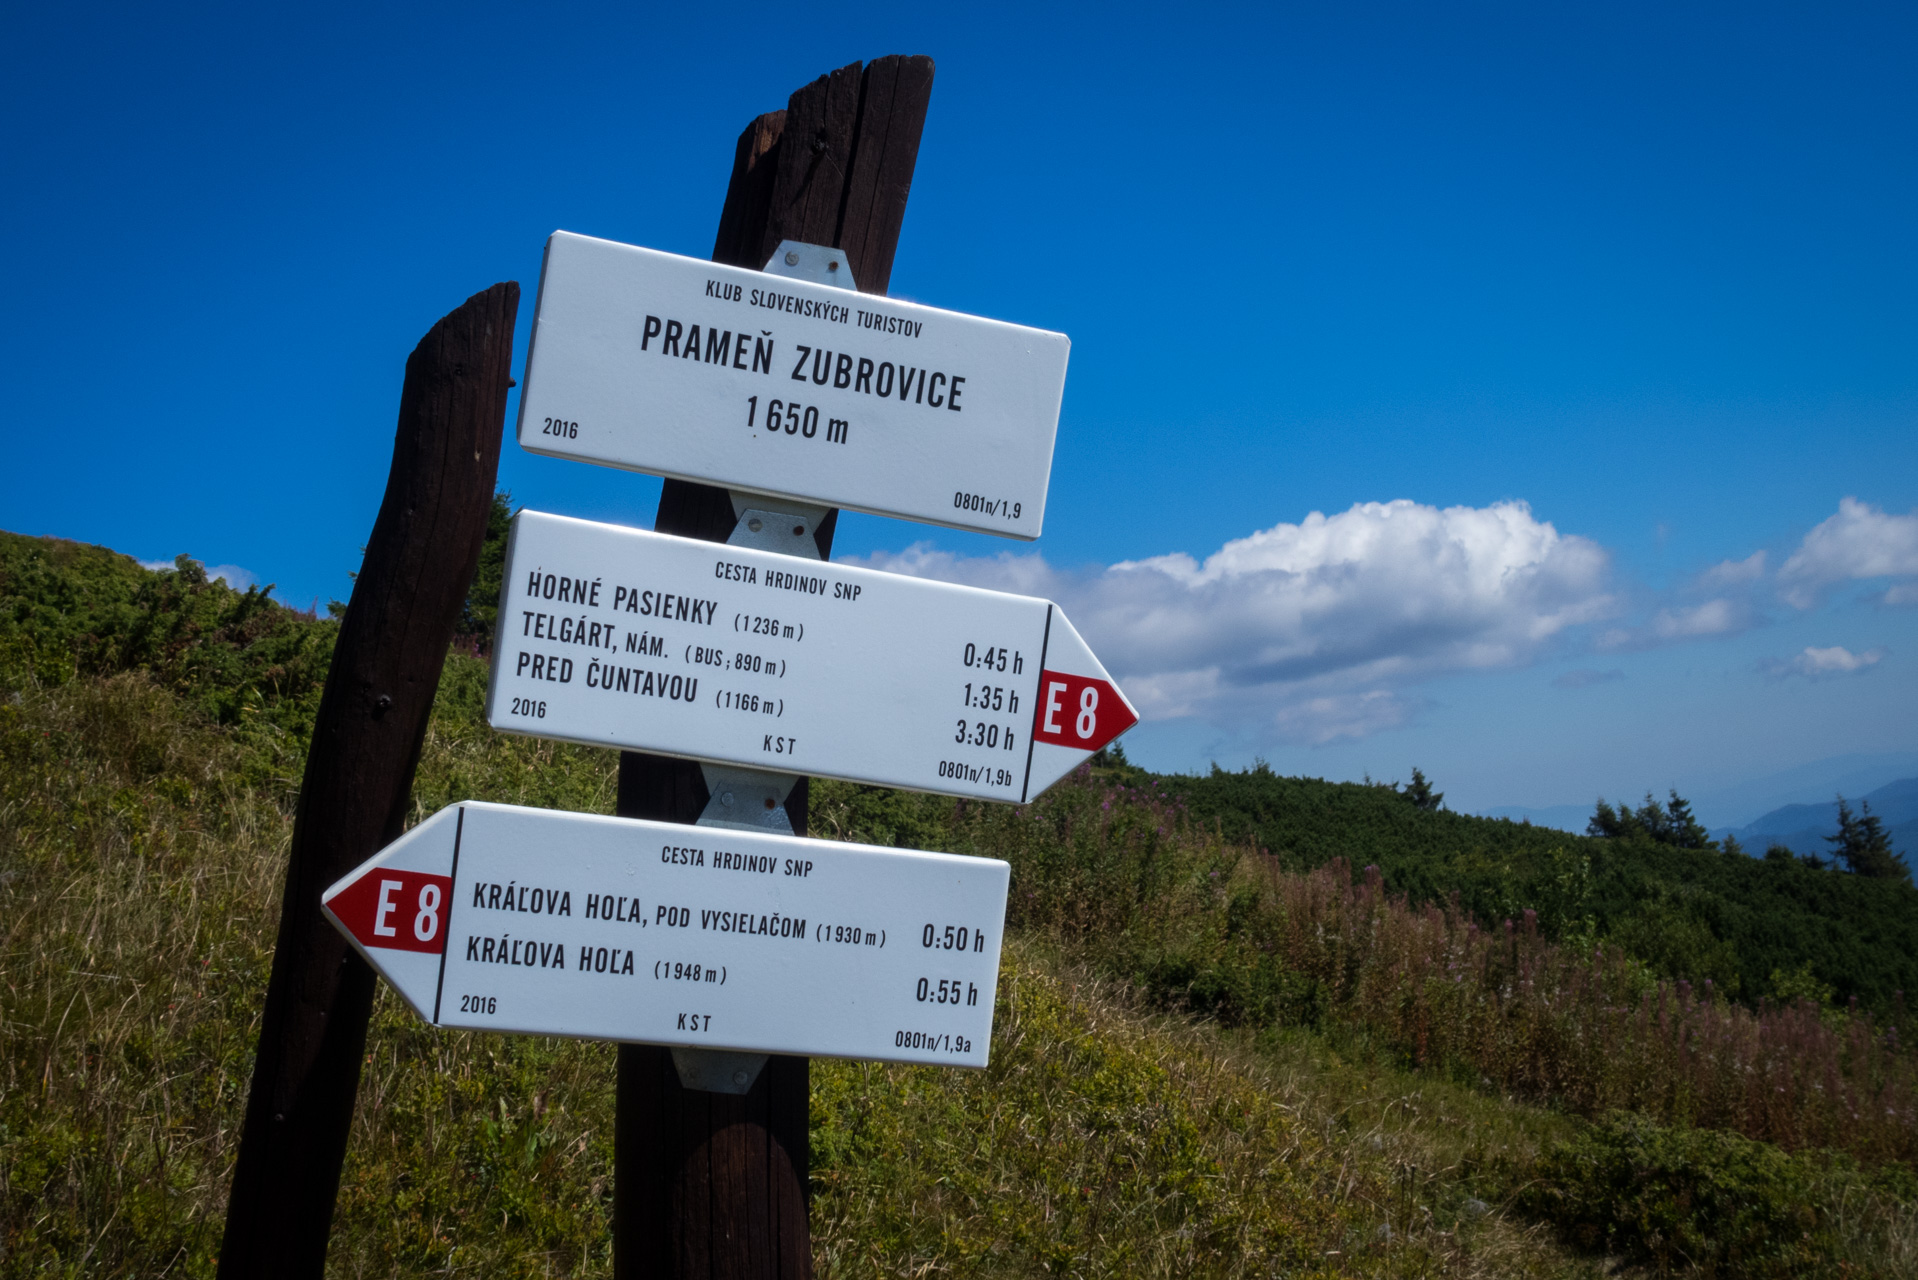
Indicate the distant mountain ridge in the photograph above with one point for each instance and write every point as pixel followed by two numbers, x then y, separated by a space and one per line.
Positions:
pixel 1802 828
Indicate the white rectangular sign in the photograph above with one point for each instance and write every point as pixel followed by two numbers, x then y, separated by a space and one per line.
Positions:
pixel 679 367
pixel 619 637
pixel 497 918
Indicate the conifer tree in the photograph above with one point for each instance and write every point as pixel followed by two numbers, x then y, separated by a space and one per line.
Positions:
pixel 1419 792
pixel 1671 823
pixel 1863 846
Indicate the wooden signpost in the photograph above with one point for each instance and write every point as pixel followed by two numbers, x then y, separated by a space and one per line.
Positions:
pixel 718 955
pixel 708 1184
pixel 359 775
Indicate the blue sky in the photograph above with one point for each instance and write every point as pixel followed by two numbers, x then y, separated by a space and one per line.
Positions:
pixel 1606 299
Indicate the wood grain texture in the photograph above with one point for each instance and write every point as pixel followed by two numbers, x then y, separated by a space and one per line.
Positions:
pixel 353 801
pixel 711 1185
pixel 749 196
pixel 704 1154
pixel 892 116
pixel 815 157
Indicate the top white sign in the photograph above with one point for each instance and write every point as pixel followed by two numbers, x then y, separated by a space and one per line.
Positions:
pixel 680 367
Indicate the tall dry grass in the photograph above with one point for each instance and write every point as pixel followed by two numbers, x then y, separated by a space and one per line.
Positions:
pixel 141 852
pixel 1586 1027
pixel 141 849
pixel 137 872
pixel 1225 931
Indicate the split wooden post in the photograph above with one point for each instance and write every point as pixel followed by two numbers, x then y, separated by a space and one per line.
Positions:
pixel 707 1184
pixel 359 777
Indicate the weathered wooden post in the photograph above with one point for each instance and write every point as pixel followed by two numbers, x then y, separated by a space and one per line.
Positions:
pixel 714 1184
pixel 359 774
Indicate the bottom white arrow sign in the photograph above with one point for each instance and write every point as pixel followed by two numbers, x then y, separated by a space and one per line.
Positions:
pixel 498 918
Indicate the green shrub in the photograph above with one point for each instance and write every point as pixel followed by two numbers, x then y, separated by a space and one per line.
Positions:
pixel 241 657
pixel 1674 1198
pixel 1690 913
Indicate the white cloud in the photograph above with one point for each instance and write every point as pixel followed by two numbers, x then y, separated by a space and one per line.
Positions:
pixel 1731 573
pixel 236 577
pixel 1861 541
pixel 1818 664
pixel 1316 628
pixel 1712 618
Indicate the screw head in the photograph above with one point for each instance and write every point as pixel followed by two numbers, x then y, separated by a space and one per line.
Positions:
pixel 753 524
pixel 799 531
pixel 770 802
pixel 792 258
pixel 726 798
pixel 740 1077
pixel 832 266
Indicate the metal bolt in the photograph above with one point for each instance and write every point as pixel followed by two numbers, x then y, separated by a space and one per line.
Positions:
pixel 792 258
pixel 770 802
pixel 726 798
pixel 799 531
pixel 832 266
pixel 753 524
pixel 740 1077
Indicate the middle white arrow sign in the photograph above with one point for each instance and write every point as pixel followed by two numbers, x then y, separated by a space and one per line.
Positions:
pixel 618 637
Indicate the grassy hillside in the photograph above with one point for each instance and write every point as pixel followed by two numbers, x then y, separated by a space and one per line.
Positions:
pixel 142 845
pixel 1206 1060
pixel 1696 914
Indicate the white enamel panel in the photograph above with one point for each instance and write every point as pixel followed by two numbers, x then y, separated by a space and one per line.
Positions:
pixel 813 392
pixel 654 932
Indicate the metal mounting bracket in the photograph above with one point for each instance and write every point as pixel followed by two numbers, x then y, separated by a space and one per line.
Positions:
pixel 717 1070
pixel 815 263
pixel 755 799
pixel 775 524
pixel 747 799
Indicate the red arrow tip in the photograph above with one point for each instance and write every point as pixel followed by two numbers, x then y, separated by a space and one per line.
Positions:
pixel 1079 711
pixel 397 910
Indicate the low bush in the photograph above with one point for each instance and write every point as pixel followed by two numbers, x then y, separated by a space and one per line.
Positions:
pixel 1694 913
pixel 1704 1200
pixel 1126 876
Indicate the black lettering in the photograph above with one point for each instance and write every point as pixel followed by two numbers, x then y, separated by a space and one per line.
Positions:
pixel 799 370
pixel 669 345
pixel 650 332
